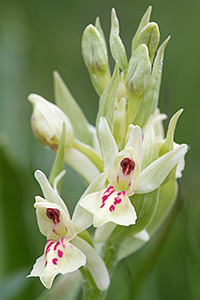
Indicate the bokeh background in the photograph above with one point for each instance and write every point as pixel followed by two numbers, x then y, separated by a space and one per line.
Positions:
pixel 38 37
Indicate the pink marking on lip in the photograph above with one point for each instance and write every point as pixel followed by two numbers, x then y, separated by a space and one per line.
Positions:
pixel 112 208
pixel 110 190
pixel 56 245
pixel 55 261
pixel 48 247
pixel 62 241
pixel 117 200
pixel 60 253
pixel 45 263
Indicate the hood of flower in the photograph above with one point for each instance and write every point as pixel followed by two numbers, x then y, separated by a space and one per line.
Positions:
pixel 124 171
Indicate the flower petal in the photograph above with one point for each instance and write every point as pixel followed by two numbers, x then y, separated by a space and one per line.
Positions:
pixel 153 176
pixel 82 218
pixel 109 206
pixel 107 142
pixel 49 193
pixel 95 264
pixel 103 232
pixel 135 141
pixel 59 257
pixel 52 220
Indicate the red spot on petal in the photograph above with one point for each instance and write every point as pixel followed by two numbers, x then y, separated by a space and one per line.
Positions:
pixel 45 263
pixel 117 200
pixel 107 194
pixel 48 247
pixel 60 253
pixel 112 208
pixel 62 241
pixel 128 165
pixel 53 214
pixel 55 261
pixel 56 245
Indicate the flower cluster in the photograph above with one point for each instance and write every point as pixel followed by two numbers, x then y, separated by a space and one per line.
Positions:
pixel 130 166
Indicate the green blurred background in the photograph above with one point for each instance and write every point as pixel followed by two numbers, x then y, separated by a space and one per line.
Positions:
pixel 38 37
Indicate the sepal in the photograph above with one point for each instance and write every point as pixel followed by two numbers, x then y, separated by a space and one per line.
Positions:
pixel 69 106
pixel 95 264
pixel 116 45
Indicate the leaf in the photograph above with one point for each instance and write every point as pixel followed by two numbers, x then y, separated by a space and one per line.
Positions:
pixel 107 100
pixel 59 160
pixel 67 103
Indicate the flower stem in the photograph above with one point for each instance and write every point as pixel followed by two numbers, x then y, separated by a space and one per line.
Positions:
pixel 91 292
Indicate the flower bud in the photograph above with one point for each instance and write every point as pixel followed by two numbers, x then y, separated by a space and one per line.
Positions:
pixel 139 70
pixel 95 57
pixel 116 45
pixel 94 50
pixel 150 36
pixel 47 122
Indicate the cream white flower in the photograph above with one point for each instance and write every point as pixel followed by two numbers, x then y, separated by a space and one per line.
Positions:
pixel 64 252
pixel 126 178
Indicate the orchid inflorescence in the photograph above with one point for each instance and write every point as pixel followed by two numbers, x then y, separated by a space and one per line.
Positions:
pixel 130 166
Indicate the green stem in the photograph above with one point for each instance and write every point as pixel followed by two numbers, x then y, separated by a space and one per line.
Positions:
pixel 91 292
pixel 133 102
pixel 109 255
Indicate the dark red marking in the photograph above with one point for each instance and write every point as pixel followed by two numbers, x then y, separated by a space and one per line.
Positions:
pixel 105 197
pixel 128 165
pixel 55 261
pixel 56 245
pixel 48 247
pixel 62 241
pixel 53 214
pixel 45 263
pixel 112 208
pixel 117 200
pixel 60 253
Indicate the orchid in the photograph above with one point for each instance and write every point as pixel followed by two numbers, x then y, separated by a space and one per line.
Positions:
pixel 62 253
pixel 129 166
pixel 126 177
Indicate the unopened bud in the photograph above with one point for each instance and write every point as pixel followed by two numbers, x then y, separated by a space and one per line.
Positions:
pixel 94 50
pixel 47 122
pixel 150 36
pixel 139 70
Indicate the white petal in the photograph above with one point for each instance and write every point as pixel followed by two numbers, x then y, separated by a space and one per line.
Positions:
pixel 53 228
pixel 49 193
pixel 107 142
pixel 109 206
pixel 103 232
pixel 81 164
pixel 157 122
pixel 135 141
pixel 153 176
pixel 59 257
pixel 82 218
pixel 142 235
pixel 95 264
